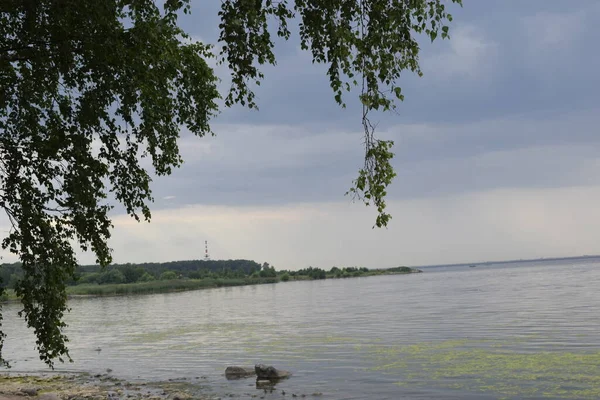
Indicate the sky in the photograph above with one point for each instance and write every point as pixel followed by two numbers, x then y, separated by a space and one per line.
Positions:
pixel 497 155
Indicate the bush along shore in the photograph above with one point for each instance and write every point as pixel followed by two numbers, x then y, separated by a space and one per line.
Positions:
pixel 130 279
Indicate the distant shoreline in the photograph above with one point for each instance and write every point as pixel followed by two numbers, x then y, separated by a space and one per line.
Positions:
pixel 184 285
pixel 529 260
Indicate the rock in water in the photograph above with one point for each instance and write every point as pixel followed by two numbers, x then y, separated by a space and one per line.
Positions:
pixel 238 372
pixel 29 391
pixel 270 372
pixel 48 396
pixel 265 383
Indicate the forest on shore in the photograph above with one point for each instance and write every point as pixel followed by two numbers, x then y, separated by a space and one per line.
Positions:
pixel 185 275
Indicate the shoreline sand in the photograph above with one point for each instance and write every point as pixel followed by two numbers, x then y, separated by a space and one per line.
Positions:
pixel 73 386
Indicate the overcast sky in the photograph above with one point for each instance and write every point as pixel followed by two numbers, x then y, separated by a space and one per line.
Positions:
pixel 497 154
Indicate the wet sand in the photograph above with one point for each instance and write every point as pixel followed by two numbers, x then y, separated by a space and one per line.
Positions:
pixel 86 386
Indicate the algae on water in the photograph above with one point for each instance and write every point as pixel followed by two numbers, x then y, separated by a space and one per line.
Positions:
pixel 490 366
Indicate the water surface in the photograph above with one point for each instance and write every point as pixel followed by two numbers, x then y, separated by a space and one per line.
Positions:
pixel 512 331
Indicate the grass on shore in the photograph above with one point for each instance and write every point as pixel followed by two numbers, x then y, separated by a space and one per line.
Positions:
pixel 8 295
pixel 178 285
pixel 175 285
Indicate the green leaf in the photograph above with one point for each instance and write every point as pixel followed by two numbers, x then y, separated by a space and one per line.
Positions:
pixel 88 86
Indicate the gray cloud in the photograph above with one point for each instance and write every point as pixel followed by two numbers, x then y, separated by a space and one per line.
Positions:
pixel 496 146
pixel 499 224
pixel 258 164
pixel 502 60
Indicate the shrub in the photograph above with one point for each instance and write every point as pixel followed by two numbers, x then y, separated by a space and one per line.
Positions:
pixel 404 270
pixel 146 277
pixel 93 277
pixel 168 275
pixel 285 277
pixel 132 274
pixel 112 276
pixel 195 275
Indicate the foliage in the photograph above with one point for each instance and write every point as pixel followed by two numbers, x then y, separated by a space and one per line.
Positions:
pixel 364 43
pixel 404 270
pixel 132 274
pixel 111 276
pixel 146 277
pixel 10 274
pixel 346 272
pixel 168 276
pixel 88 88
pixel 146 272
pixel 93 277
pixel 267 271
pixel 184 267
pixel 160 286
pixel 349 272
pixel 312 273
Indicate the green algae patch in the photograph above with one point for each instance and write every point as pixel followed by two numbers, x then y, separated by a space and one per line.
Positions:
pixel 488 366
pixel 85 386
pixel 248 338
pixel 197 333
pixel 62 386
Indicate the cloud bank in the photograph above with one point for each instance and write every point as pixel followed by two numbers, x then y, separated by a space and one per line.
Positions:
pixel 496 152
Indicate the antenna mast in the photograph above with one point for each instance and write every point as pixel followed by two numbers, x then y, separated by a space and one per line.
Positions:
pixel 206 256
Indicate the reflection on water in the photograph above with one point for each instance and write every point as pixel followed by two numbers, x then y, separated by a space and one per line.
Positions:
pixel 527 331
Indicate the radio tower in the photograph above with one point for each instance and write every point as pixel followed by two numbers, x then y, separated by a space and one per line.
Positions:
pixel 206 256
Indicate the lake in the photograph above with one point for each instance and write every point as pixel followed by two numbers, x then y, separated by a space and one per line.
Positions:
pixel 517 331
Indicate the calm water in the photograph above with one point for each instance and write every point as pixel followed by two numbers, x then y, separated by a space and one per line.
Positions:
pixel 529 331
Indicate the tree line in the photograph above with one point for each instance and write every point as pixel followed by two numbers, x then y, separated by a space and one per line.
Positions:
pixel 10 274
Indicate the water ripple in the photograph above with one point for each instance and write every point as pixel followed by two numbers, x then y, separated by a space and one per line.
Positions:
pixel 525 331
